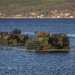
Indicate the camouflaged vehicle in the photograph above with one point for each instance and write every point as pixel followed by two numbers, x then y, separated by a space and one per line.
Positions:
pixel 46 42
pixel 42 42
pixel 13 38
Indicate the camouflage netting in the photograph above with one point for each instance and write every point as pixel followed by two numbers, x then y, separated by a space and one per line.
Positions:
pixel 42 33
pixel 15 31
pixel 45 42
pixel 13 38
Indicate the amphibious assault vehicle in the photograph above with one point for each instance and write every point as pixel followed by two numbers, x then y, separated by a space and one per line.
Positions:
pixel 42 42
pixel 13 38
pixel 46 42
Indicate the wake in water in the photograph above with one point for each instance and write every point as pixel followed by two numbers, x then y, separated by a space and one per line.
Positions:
pixel 71 35
pixel 29 33
pixel 12 48
pixel 33 34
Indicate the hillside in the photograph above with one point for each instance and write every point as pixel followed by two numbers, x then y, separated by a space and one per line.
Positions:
pixel 37 8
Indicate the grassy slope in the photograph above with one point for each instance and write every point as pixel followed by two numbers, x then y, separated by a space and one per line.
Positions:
pixel 42 6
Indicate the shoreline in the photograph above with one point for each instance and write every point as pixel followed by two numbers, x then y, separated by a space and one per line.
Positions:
pixel 35 18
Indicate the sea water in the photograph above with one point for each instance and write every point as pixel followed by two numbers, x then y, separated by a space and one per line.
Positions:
pixel 18 61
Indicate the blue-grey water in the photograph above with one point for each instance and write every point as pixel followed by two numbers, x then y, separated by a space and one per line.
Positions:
pixel 18 61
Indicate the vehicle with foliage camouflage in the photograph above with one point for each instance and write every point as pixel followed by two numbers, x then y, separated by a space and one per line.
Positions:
pixel 42 42
pixel 46 42
pixel 13 38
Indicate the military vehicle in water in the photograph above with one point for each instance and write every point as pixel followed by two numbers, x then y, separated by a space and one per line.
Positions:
pixel 46 42
pixel 13 38
pixel 42 42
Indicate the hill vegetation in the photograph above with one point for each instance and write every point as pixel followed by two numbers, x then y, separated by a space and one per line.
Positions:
pixel 37 8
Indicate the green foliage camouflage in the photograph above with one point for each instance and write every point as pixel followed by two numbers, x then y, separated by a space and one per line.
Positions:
pixel 55 42
pixel 42 42
pixel 13 38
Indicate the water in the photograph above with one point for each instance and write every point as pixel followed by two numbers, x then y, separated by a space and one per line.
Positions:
pixel 18 61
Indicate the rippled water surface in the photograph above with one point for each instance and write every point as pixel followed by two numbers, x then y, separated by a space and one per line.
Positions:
pixel 18 61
